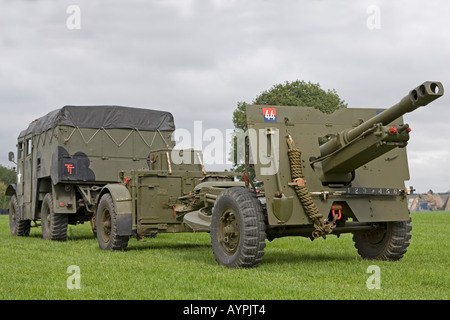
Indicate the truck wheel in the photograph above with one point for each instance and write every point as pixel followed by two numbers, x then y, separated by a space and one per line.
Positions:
pixel 54 225
pixel 238 230
pixel 389 242
pixel 106 226
pixel 16 226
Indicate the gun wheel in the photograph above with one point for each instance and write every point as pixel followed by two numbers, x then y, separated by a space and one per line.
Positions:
pixel 106 226
pixel 238 228
pixel 388 242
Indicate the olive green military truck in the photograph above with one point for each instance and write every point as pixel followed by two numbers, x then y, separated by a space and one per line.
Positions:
pixel 66 158
pixel 307 174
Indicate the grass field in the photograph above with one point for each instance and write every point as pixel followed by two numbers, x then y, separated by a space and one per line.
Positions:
pixel 182 266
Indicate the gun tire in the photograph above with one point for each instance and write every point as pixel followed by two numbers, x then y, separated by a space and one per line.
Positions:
pixel 238 229
pixel 16 226
pixel 54 225
pixel 106 226
pixel 389 242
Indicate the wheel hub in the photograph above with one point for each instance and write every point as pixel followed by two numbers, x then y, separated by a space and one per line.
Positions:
pixel 229 232
pixel 105 225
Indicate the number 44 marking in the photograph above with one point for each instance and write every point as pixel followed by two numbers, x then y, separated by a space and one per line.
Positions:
pixel 270 114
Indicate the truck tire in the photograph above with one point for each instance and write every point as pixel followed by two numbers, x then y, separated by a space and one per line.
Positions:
pixel 106 226
pixel 389 242
pixel 16 226
pixel 238 229
pixel 54 225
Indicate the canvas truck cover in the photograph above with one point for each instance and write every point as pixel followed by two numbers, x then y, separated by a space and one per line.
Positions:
pixel 92 143
pixel 107 117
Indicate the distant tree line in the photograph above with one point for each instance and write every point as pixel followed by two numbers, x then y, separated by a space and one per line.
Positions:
pixel 7 177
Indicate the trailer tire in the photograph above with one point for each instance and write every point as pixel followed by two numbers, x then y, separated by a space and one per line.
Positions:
pixel 106 226
pixel 54 225
pixel 16 226
pixel 389 242
pixel 238 229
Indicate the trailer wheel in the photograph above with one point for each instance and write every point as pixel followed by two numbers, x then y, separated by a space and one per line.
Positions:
pixel 54 225
pixel 106 226
pixel 388 242
pixel 16 226
pixel 238 230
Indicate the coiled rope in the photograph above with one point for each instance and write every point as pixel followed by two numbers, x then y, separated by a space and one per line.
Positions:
pixel 298 183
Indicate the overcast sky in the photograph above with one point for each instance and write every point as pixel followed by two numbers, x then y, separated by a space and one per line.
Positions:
pixel 197 59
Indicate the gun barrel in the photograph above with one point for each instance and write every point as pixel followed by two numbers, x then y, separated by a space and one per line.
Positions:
pixel 418 97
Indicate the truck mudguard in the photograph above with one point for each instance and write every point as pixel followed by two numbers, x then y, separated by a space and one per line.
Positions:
pixel 123 206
